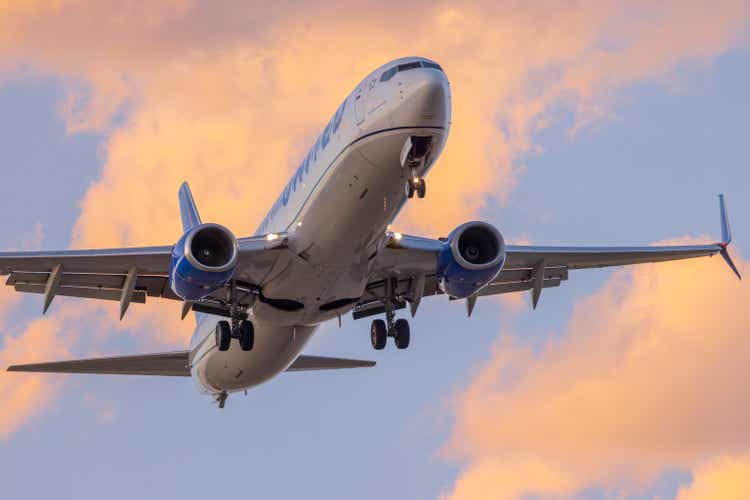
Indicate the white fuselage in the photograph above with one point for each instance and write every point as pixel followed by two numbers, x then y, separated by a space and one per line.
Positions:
pixel 335 209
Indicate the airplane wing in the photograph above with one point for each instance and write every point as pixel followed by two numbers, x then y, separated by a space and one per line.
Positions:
pixel 169 364
pixel 127 275
pixel 412 261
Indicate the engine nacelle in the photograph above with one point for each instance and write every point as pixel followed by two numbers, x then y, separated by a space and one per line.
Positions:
pixel 203 260
pixel 473 255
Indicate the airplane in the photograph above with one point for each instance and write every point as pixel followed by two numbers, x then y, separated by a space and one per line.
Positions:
pixel 324 249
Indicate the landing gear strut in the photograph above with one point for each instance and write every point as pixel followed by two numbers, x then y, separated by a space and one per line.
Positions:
pixel 399 329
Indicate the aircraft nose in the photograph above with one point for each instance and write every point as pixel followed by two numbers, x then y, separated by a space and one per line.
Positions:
pixel 425 99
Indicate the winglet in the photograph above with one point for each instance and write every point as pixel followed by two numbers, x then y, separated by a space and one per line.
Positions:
pixel 726 237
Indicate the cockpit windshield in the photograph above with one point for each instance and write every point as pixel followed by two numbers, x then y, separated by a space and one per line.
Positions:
pixel 389 73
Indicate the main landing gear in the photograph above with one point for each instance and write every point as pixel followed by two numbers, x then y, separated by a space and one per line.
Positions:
pixel 240 329
pixel 399 330
pixel 380 329
pixel 244 332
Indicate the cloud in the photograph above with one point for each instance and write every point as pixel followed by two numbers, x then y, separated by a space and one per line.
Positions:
pixel 25 395
pixel 229 95
pixel 727 478
pixel 655 383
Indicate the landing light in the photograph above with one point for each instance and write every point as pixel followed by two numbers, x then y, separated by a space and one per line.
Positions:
pixel 272 236
pixel 397 236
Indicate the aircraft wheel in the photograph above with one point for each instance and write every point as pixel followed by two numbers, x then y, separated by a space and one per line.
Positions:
pixel 409 188
pixel 421 188
pixel 247 335
pixel 223 335
pixel 378 334
pixel 403 334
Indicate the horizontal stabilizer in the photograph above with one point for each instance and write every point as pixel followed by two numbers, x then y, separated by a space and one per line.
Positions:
pixel 308 363
pixel 168 363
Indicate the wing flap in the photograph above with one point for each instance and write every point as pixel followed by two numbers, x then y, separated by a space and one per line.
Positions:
pixel 153 286
pixel 137 296
pixel 309 363
pixel 174 364
pixel 516 286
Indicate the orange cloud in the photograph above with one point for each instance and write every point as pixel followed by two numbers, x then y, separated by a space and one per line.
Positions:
pixel 726 478
pixel 655 382
pixel 228 96
pixel 24 395
pixel 231 100
pixel 56 336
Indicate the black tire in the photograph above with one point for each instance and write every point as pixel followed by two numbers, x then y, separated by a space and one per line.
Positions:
pixel 403 333
pixel 223 335
pixel 409 189
pixel 378 334
pixel 247 335
pixel 421 188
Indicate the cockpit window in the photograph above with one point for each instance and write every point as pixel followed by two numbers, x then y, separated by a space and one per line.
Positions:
pixel 408 66
pixel 388 74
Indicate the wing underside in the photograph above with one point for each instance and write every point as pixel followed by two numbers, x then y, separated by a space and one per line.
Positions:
pixel 407 265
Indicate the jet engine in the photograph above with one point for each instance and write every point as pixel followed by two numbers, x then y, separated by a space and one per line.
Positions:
pixel 203 260
pixel 473 255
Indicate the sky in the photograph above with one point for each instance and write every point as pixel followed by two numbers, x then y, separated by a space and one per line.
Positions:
pixel 574 122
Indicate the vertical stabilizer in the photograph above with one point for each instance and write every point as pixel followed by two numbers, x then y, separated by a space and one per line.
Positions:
pixel 188 210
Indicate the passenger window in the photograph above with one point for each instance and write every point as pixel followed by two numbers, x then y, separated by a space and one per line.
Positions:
pixel 387 75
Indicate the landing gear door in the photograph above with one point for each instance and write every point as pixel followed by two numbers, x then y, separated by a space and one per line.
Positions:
pixel 359 106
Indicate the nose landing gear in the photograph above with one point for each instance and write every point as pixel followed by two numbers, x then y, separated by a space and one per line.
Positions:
pixel 416 185
pixel 415 155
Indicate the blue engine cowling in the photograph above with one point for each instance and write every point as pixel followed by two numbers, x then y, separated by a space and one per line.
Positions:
pixel 473 255
pixel 203 260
